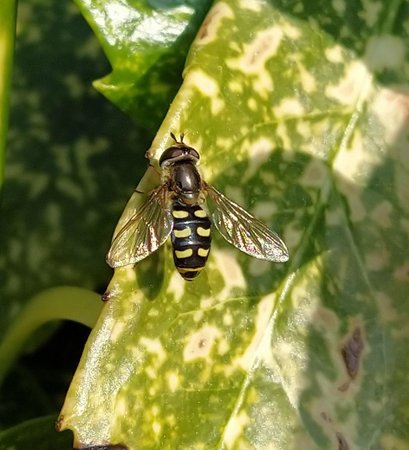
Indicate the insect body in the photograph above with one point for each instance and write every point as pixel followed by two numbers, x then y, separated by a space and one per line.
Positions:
pixel 191 238
pixel 175 209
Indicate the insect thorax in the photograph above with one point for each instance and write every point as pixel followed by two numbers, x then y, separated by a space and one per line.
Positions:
pixel 185 182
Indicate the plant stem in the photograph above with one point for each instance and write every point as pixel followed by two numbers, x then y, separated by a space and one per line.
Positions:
pixel 7 34
pixel 69 303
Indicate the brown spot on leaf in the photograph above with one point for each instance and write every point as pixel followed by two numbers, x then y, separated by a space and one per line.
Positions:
pixel 326 417
pixel 263 47
pixel 344 387
pixel 203 32
pixel 352 351
pixel 58 422
pixel 342 442
pixel 215 15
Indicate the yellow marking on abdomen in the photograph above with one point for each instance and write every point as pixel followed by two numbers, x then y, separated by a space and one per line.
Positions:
pixel 200 213
pixel 182 233
pixel 194 269
pixel 184 253
pixel 203 231
pixel 180 214
pixel 203 252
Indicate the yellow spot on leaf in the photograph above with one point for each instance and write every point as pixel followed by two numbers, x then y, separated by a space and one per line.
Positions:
pixel 121 406
pixel 335 54
pixel 264 311
pixel 176 286
pixel 252 104
pixel 253 61
pixel 223 347
pixel 117 330
pixel 208 87
pixel 253 5
pixel 263 47
pixel 227 319
pixel 154 347
pixel 258 152
pixel 152 374
pixel 173 381
pixel 355 84
pixel 235 87
pixel 230 270
pixel 235 428
pixel 289 107
pixel 307 80
pixel 156 427
pixel 292 32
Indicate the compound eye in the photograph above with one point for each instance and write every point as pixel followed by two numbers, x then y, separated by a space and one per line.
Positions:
pixel 170 153
pixel 194 153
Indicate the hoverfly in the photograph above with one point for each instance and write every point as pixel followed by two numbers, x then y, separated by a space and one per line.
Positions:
pixel 175 209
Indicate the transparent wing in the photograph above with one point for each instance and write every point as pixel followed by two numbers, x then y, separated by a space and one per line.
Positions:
pixel 144 232
pixel 243 230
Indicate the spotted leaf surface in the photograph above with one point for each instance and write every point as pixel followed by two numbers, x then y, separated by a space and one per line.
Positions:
pixel 300 116
pixel 146 44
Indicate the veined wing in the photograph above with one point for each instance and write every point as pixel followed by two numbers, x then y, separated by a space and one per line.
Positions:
pixel 144 232
pixel 244 231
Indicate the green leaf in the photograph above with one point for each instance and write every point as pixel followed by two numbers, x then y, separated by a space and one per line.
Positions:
pixel 38 434
pixel 73 158
pixel 54 227
pixel 306 132
pixel 7 31
pixel 64 182
pixel 146 44
pixel 64 302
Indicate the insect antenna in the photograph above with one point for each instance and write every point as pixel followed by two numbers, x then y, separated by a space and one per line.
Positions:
pixel 182 136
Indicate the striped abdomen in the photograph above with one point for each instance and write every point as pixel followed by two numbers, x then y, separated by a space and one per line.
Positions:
pixel 191 238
